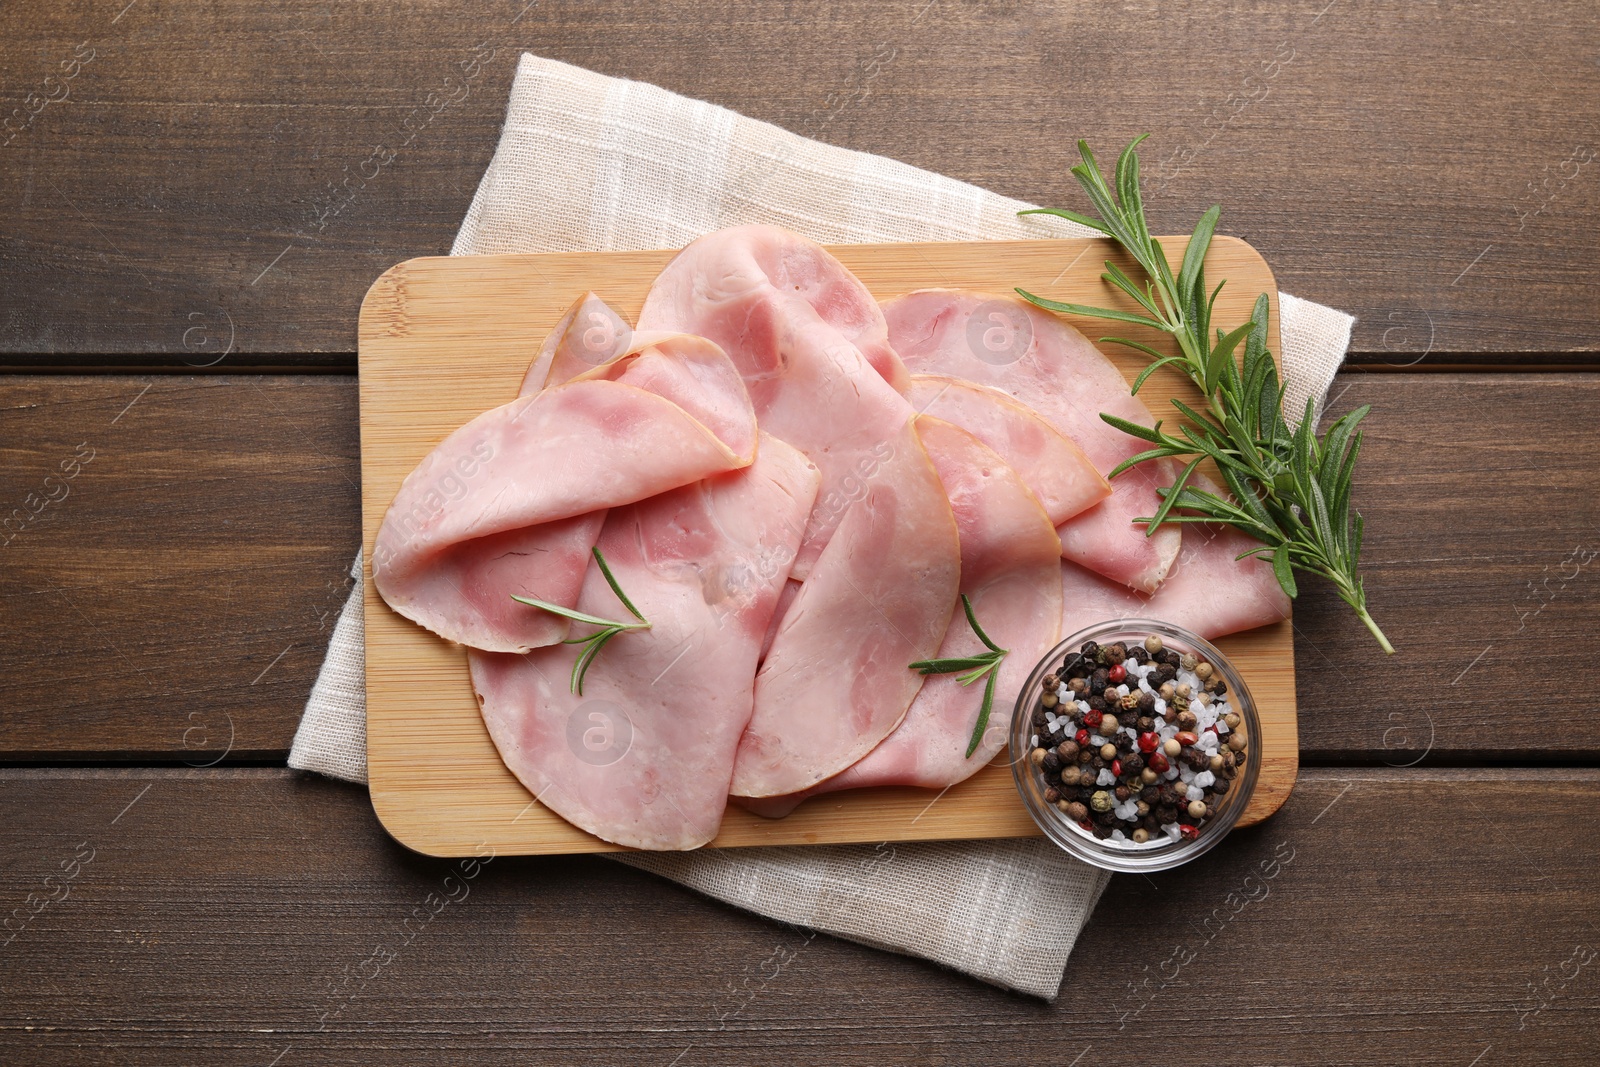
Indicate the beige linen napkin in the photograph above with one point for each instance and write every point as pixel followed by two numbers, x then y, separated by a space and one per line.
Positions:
pixel 589 162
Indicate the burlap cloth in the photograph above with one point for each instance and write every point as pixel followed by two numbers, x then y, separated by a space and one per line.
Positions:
pixel 589 162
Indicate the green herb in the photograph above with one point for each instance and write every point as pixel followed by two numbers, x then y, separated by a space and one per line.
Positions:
pixel 1291 489
pixel 983 665
pixel 609 628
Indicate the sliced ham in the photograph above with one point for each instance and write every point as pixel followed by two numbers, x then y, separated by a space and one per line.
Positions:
pixel 1060 375
pixel 507 503
pixel 1208 590
pixel 813 348
pixel 644 757
pixel 1049 463
pixel 1010 563
pixel 589 335
pixel 835 682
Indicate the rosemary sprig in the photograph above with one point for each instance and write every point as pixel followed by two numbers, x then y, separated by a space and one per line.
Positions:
pixel 982 665
pixel 1291 489
pixel 609 628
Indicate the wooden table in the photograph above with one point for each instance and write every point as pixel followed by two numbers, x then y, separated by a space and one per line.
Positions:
pixel 190 210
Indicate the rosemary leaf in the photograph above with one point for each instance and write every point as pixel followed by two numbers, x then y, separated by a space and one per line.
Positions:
pixel 1292 488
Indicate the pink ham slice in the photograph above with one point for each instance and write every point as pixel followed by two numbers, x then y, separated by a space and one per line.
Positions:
pixel 1010 564
pixel 1069 382
pixel 1207 590
pixel 1049 463
pixel 813 348
pixel 835 682
pixel 508 503
pixel 589 335
pixel 643 758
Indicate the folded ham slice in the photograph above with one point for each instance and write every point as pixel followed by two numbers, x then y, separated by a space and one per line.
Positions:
pixel 1010 563
pixel 1208 590
pixel 835 681
pixel 1052 368
pixel 643 758
pixel 507 503
pixel 589 335
pixel 1049 463
pixel 811 344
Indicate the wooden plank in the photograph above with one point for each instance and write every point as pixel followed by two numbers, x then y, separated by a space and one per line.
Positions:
pixel 233 915
pixel 214 529
pixel 444 339
pixel 164 206
pixel 174 601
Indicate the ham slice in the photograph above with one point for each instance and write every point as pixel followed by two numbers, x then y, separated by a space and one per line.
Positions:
pixel 1059 374
pixel 1010 564
pixel 835 682
pixel 589 335
pixel 1049 463
pixel 813 348
pixel 1208 590
pixel 508 503
pixel 643 758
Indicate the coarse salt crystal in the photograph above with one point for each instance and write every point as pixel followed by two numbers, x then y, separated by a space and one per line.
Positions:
pixel 1186 773
pixel 1196 793
pixel 1128 809
pixel 1209 743
pixel 1171 830
pixel 1204 779
pixel 1123 689
pixel 1161 706
pixel 1055 726
pixel 1171 774
pixel 1168 732
pixel 1096 740
pixel 1083 707
pixel 1117 835
pixel 1106 777
pixel 1222 727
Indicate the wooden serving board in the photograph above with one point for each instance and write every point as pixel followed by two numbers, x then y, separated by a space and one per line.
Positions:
pixel 443 339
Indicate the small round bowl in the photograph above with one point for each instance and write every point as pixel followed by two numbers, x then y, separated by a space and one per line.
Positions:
pixel 1160 853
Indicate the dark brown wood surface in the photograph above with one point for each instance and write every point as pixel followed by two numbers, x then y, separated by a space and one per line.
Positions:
pixel 186 194
pixel 226 916
pixel 205 181
pixel 202 557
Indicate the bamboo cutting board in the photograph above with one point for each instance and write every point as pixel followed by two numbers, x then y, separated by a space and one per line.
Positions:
pixel 445 338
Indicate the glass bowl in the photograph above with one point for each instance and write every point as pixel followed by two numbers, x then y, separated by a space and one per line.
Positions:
pixel 1161 851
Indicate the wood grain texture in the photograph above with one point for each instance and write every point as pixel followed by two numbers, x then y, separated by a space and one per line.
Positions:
pixel 250 514
pixel 444 339
pixel 207 186
pixel 175 601
pixel 230 915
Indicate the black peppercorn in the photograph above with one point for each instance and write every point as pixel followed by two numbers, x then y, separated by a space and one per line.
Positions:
pixel 1099 704
pixel 1098 680
pixel 1167 672
pixel 1097 762
pixel 1138 654
pixel 1052 762
pixel 1220 787
pixel 1090 650
pixel 1132 764
pixel 1218 686
pixel 1166 813
pixel 1074 666
pixel 1147 703
pixel 1052 795
pixel 1122 792
pixel 1150 794
pixel 1145 724
pixel 1084 756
